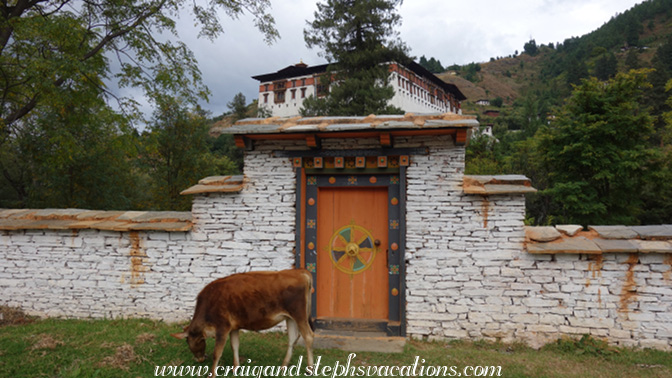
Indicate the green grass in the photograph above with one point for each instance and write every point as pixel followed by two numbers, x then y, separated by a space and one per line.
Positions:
pixel 134 347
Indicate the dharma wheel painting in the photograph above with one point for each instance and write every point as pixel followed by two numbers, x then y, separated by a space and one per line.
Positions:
pixel 353 249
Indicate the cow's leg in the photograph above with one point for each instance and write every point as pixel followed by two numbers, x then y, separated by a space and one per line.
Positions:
pixel 307 334
pixel 235 343
pixel 220 342
pixel 293 333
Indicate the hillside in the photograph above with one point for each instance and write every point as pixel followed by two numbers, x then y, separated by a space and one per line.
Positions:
pixel 539 134
pixel 550 70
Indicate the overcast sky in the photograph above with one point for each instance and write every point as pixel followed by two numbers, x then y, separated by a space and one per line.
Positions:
pixel 452 31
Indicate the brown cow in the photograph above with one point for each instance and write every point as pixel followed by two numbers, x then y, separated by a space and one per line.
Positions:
pixel 253 301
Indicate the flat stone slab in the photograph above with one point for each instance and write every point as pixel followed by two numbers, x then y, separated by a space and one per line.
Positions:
pixel 616 245
pixel 161 226
pixel 614 232
pixel 217 184
pixel 77 219
pixel 578 244
pixel 493 185
pixel 202 189
pixel 57 213
pixel 358 343
pixel 99 214
pixel 542 234
pixel 150 216
pixel 654 232
pixel 569 229
pixel 130 215
pixel 651 246
pixel 14 224
pixel 220 180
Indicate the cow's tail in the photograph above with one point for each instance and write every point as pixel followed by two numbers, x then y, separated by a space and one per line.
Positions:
pixel 309 298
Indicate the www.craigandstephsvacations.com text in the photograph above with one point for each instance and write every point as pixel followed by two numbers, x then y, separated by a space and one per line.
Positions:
pixel 347 369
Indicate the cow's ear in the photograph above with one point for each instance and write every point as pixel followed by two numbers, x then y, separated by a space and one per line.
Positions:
pixel 181 335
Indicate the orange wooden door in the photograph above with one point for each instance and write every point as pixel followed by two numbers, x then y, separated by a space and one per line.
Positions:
pixel 352 233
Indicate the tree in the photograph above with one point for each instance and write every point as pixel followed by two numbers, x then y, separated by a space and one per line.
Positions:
pixel 50 46
pixel 597 153
pixel 531 48
pixel 358 38
pixel 238 106
pixel 177 153
pixel 606 66
pixel 79 156
pixel 576 70
pixel 632 60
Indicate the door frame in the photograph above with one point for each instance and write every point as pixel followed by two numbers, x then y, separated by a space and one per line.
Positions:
pixel 309 181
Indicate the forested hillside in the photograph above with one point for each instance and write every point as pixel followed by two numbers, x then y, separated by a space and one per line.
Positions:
pixel 586 119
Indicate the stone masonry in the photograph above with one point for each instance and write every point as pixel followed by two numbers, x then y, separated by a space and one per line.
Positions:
pixel 468 273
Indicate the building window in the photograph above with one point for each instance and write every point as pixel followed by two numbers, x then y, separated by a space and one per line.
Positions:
pixel 279 85
pixel 265 87
pixel 303 92
pixel 265 98
pixel 293 94
pixel 279 97
pixel 303 82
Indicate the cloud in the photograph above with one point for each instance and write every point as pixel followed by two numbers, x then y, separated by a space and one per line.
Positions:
pixel 452 31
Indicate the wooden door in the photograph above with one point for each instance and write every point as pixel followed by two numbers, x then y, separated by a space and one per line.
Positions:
pixel 352 266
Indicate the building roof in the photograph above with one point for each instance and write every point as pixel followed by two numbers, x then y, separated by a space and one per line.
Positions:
pixel 410 121
pixel 292 71
pixel 304 70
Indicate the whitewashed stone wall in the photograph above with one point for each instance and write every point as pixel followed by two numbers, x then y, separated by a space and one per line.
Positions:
pixel 467 274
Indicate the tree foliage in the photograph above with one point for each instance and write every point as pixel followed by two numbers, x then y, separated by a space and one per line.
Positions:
pixel 238 106
pixel 358 38
pixel 47 47
pixel 78 157
pixel 432 65
pixel 596 152
pixel 65 139
pixel 176 153
pixel 531 48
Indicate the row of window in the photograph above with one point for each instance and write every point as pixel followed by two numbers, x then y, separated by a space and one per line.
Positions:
pixel 279 96
pixel 282 85
pixel 415 90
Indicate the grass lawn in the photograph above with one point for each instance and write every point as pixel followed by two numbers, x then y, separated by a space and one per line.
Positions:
pixel 134 347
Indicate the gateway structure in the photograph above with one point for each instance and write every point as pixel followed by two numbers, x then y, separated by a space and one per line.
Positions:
pixel 416 90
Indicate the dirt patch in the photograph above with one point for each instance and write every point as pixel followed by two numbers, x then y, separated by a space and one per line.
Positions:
pixel 46 342
pixel 144 338
pixel 13 316
pixel 123 356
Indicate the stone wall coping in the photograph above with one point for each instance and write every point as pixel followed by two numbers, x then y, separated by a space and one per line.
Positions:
pixel 217 184
pixel 599 239
pixel 497 184
pixel 80 219
pixel 275 125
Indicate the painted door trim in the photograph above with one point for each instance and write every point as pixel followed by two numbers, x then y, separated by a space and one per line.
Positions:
pixel 306 203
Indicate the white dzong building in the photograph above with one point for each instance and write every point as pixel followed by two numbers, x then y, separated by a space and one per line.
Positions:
pixel 416 90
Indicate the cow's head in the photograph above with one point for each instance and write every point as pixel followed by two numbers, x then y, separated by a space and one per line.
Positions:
pixel 196 342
